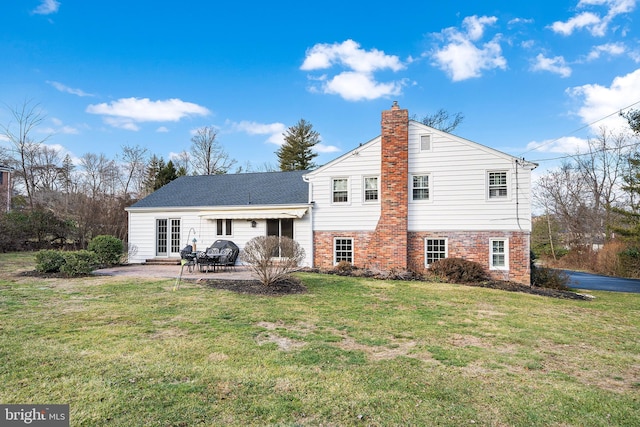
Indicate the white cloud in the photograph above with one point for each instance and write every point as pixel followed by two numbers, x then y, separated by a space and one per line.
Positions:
pixel 47 7
pixel 566 144
pixel 356 81
pixel 58 128
pixel 273 130
pixel 162 129
pixel 63 88
pixel 321 148
pixel 126 112
pixel 596 24
pixel 555 65
pixel 601 104
pixel 461 58
pixel 611 49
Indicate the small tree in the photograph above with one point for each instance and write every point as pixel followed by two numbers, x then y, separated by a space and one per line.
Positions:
pixel 297 151
pixel 272 258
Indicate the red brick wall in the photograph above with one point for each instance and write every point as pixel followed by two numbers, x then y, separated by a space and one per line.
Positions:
pixel 470 245
pixel 388 245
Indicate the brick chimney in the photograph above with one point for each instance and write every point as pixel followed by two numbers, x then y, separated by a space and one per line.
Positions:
pixel 388 247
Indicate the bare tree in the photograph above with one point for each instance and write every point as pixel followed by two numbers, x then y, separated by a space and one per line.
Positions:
pixel 26 118
pixel 134 162
pixel 443 120
pixel 98 174
pixel 272 258
pixel 208 156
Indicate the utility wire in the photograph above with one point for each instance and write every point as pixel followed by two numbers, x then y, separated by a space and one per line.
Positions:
pixel 578 130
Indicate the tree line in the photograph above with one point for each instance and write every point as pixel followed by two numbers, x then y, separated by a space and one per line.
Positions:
pixel 589 207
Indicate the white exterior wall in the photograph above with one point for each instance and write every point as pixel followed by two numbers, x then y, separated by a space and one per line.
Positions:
pixel 142 232
pixel 355 215
pixel 458 186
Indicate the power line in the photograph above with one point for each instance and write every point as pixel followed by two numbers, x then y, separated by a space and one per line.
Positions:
pixel 579 129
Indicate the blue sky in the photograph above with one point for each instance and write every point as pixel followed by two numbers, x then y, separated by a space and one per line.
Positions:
pixel 524 74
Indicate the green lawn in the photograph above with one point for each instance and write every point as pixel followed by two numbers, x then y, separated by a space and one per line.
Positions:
pixel 126 352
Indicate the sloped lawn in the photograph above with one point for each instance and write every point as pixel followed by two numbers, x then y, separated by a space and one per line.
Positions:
pixel 348 351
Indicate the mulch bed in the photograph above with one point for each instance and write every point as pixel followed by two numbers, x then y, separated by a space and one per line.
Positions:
pixel 285 287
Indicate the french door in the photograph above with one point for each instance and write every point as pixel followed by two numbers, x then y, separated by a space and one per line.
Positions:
pixel 281 228
pixel 167 237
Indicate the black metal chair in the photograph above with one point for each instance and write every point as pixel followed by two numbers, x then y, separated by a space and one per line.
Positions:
pixel 189 256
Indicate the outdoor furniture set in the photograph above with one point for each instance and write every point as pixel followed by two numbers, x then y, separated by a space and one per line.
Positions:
pixel 221 254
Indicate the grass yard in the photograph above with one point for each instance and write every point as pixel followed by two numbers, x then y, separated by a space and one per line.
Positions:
pixel 351 351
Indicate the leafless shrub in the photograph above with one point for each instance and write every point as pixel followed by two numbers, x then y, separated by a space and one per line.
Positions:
pixel 272 258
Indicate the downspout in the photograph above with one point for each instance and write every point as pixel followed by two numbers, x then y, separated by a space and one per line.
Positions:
pixel 311 228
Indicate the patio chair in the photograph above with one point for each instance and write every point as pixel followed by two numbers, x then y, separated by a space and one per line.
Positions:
pixel 189 256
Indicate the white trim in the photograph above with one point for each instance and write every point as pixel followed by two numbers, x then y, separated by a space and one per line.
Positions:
pixel 331 190
pixel 252 213
pixel 353 249
pixel 507 172
pixel 429 187
pixel 446 247
pixel 364 189
pixel 504 267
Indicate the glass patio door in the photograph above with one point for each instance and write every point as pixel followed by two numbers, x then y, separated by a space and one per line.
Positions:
pixel 167 237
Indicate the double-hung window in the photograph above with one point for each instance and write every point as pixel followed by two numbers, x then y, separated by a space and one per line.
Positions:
pixel 420 187
pixel 497 184
pixel 434 249
pixel 499 254
pixel 340 190
pixel 371 189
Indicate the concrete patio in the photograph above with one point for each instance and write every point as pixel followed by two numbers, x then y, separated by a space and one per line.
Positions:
pixel 173 271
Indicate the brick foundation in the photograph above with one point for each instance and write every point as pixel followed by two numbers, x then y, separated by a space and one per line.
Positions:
pixel 472 246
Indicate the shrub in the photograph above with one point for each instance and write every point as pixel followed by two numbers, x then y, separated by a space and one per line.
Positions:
pixel 108 249
pixel 549 278
pixel 48 261
pixel 79 263
pixel 458 270
pixel 272 258
pixel 344 267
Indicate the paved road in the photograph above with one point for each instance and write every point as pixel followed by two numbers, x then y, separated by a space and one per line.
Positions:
pixel 602 283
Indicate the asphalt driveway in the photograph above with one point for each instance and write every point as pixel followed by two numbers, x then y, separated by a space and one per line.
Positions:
pixel 595 282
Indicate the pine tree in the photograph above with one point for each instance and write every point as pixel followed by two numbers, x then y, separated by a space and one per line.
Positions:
pixel 630 217
pixel 297 151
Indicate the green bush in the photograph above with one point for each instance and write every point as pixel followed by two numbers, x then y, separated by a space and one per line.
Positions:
pixel 108 249
pixel 79 263
pixel 458 270
pixel 48 261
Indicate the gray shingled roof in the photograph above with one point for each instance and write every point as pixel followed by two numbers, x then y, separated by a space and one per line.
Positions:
pixel 263 188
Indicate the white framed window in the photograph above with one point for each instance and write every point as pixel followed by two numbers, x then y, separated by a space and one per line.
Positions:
pixel 340 190
pixel 224 227
pixel 420 187
pixel 371 189
pixel 435 249
pixel 497 184
pixel 425 142
pixel 499 254
pixel 342 250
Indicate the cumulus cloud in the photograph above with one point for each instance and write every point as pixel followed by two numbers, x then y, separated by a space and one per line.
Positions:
pixel 463 56
pixel 601 104
pixel 47 7
pixel 273 131
pixel 63 88
pixel 125 113
pixel 595 23
pixel 355 80
pixel 555 65
pixel 611 49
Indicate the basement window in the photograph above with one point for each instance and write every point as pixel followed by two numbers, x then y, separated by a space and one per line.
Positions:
pixel 342 250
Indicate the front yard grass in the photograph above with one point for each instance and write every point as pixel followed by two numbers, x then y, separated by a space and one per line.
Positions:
pixel 351 351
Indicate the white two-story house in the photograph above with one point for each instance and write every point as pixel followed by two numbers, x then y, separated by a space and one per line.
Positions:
pixel 404 199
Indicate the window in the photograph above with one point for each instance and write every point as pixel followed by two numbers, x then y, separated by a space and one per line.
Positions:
pixel 280 228
pixel 425 142
pixel 1 177
pixel 224 227
pixel 340 190
pixel 434 249
pixel 498 185
pixel 343 250
pixel 421 187
pixel 499 256
pixel 371 189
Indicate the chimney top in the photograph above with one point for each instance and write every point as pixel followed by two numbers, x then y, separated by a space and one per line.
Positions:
pixel 395 106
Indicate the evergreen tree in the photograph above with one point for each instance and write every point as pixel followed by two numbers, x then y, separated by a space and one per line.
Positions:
pixel 630 217
pixel 166 174
pixel 633 117
pixel 297 151
pixel 151 174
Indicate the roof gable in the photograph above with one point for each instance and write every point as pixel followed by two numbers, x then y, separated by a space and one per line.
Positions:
pixel 264 188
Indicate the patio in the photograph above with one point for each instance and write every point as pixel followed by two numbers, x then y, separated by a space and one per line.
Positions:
pixel 173 271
